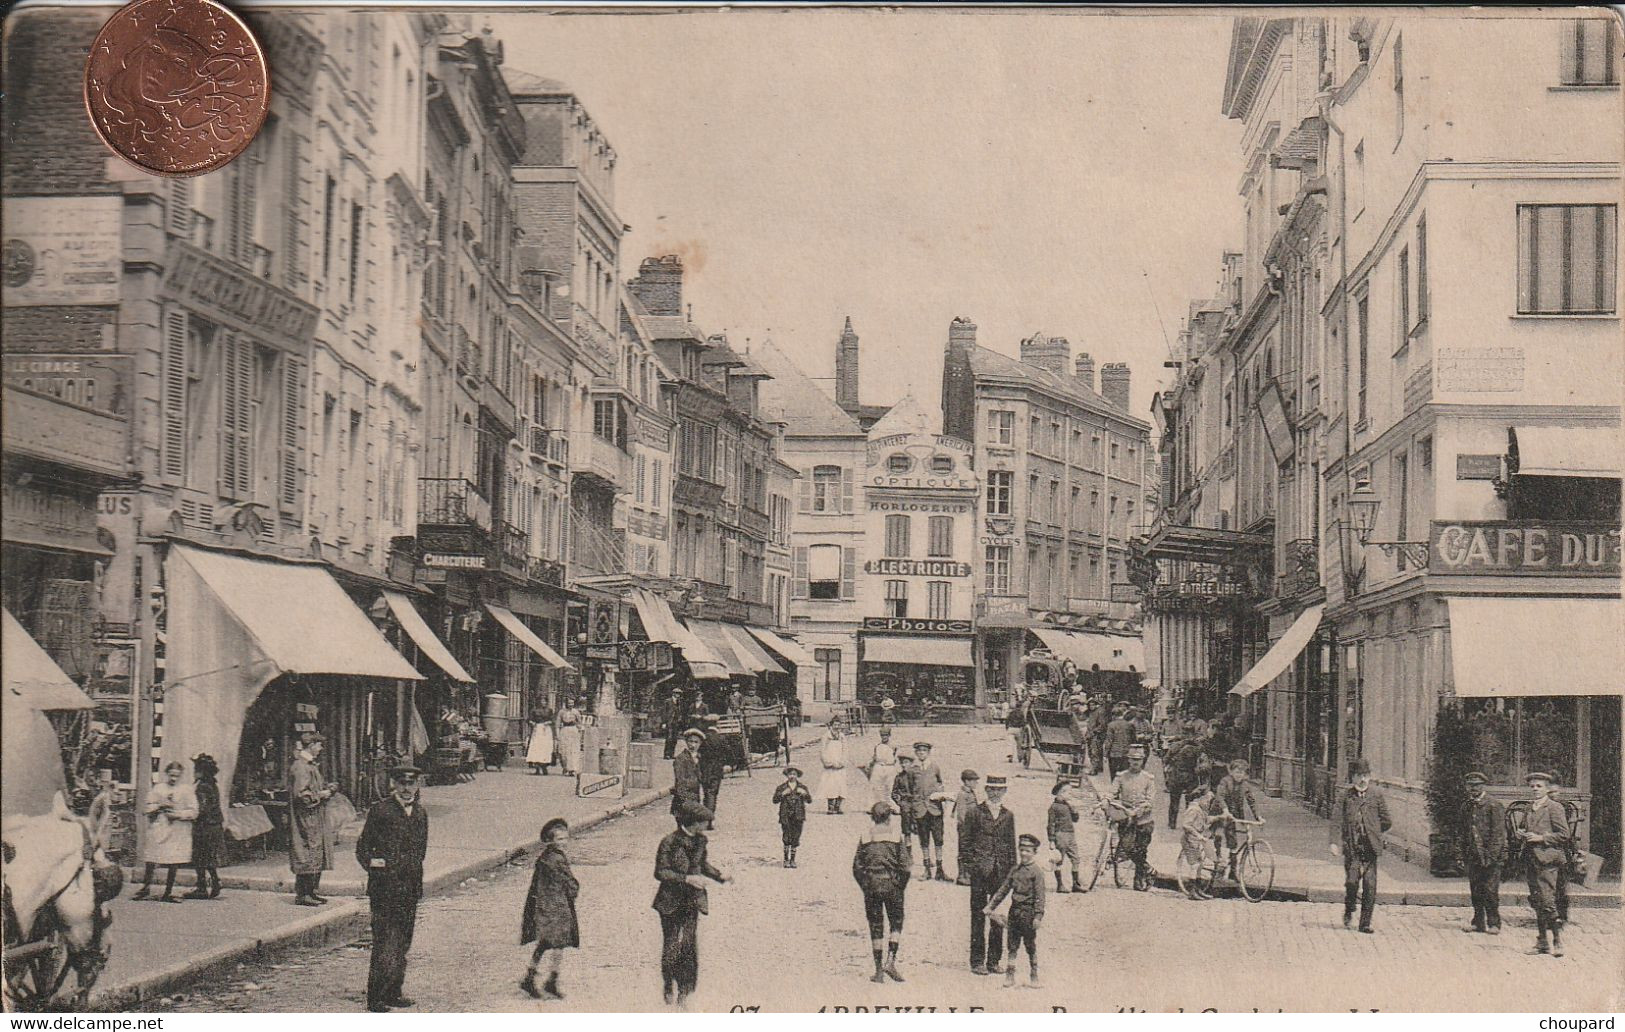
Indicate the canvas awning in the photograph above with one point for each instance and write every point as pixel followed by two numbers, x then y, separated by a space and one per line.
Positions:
pixel 412 622
pixel 722 649
pixel 298 616
pixel 954 652
pixel 750 651
pixel 659 622
pixel 703 662
pixel 782 645
pixel 527 637
pixel 1567 451
pixel 31 676
pixel 1115 652
pixel 1505 647
pixel 1281 654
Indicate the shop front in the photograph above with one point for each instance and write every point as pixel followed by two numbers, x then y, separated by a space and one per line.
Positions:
pixel 1099 663
pixel 1285 689
pixel 921 666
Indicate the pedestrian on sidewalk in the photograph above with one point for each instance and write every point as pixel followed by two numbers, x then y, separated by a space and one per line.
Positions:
pixel 1544 838
pixel 171 809
pixel 209 830
pixel 310 846
pixel 568 736
pixel 539 751
pixel 990 853
pixel 1365 819
pixel 881 867
pixel 685 772
pixel 1096 728
pixel 393 843
pixel 1119 736
pixel 1025 887
pixel 1485 842
pixel 929 796
pixel 715 754
pixel 1063 837
pixel 964 803
pixel 792 798
pixel 832 755
pixel 1134 791
pixel 902 793
pixel 550 911
pixel 681 868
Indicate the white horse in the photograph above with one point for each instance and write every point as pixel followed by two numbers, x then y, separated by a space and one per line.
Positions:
pixel 57 882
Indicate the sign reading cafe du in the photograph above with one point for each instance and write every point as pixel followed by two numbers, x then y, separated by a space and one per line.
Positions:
pixel 1497 547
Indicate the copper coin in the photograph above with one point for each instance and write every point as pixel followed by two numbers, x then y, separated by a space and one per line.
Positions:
pixel 176 87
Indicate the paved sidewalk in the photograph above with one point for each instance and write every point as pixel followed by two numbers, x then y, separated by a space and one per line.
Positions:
pixel 474 827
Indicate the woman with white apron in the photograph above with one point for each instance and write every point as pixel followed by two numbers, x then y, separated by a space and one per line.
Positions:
pixel 539 753
pixel 883 768
pixel 569 737
pixel 832 786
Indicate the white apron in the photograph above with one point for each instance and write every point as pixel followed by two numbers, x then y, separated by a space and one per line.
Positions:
pixel 833 757
pixel 540 750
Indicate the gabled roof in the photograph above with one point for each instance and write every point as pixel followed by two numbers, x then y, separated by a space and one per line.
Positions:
pixel 793 399
pixel 984 362
pixel 908 416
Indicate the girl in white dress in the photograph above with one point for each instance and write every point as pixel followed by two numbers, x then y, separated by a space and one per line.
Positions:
pixel 171 809
pixel 832 786
pixel 883 767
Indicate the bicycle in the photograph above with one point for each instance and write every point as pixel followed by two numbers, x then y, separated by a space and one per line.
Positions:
pixel 1110 854
pixel 1195 877
pixel 1253 861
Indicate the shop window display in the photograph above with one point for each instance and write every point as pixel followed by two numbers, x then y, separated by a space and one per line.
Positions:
pixel 1511 736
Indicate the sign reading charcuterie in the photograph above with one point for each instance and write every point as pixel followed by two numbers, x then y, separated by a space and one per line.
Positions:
pixel 1480 547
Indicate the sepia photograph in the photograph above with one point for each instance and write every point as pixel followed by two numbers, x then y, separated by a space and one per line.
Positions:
pixel 561 510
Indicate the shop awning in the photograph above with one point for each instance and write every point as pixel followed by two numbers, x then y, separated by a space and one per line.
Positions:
pixel 704 664
pixel 1066 645
pixel 659 623
pixel 1116 652
pixel 1502 647
pixel 722 649
pixel 750 651
pixel 1203 544
pixel 298 615
pixel 527 637
pixel 412 622
pixel 31 676
pixel 782 645
pixel 953 652
pixel 1567 451
pixel 1281 654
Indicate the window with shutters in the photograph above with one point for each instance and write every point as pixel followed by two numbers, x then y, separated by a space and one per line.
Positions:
pixel 827 675
pixel 826 489
pixel 173 404
pixel 640 481
pixel 355 248
pixel 329 204
pixel 1589 52
pixel 1035 586
pixel 1567 258
pixel 290 438
pixel 942 537
pixel 897 537
pixel 241 209
pixel 823 571
pixel 998 492
pixel 655 493
pixel 178 208
pixel 997 571
pixel 897 598
pixel 937 593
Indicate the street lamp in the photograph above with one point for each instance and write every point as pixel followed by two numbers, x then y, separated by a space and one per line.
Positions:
pixel 1363 506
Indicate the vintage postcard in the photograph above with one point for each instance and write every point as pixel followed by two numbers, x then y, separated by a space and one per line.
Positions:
pixel 811 509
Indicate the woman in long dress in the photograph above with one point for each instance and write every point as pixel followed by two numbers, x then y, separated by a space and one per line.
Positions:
pixel 832 755
pixel 209 830
pixel 171 809
pixel 569 737
pixel 882 767
pixel 539 754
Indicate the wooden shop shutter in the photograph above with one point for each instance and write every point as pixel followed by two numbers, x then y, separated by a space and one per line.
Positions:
pixel 237 418
pixel 178 208
pixel 290 475
pixel 798 577
pixel 293 254
pixel 849 566
pixel 846 489
pixel 172 396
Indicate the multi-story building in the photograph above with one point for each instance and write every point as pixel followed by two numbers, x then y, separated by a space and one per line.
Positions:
pixel 1063 474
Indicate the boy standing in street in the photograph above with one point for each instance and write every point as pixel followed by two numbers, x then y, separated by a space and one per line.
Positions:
pixel 928 798
pixel 682 868
pixel 1365 819
pixel 1025 887
pixel 902 793
pixel 792 798
pixel 1485 842
pixel 1062 836
pixel 1545 838
pixel 964 803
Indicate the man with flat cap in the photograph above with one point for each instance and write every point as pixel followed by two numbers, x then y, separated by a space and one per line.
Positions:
pixel 1544 838
pixel 686 787
pixel 716 759
pixel 1484 848
pixel 682 868
pixel 1133 798
pixel 926 796
pixel 391 849
pixel 1365 819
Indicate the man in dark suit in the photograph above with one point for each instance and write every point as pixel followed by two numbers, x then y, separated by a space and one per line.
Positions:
pixel 989 850
pixel 716 758
pixel 1485 849
pixel 685 772
pixel 681 868
pixel 391 849
pixel 1365 819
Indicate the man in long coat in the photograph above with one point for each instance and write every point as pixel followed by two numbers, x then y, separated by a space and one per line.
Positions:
pixel 989 849
pixel 1365 819
pixel 1485 847
pixel 310 847
pixel 716 758
pixel 391 850
pixel 685 771
pixel 681 868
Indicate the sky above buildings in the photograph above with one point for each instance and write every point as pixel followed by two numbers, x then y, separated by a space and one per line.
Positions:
pixel 1057 171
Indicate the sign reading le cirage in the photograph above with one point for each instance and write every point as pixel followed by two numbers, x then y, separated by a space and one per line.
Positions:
pixel 1503 547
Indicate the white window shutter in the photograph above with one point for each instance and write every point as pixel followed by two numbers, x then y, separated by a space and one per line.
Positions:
pixel 798 562
pixel 846 489
pixel 849 565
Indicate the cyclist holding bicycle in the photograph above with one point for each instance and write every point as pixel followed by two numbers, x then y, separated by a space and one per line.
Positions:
pixel 1233 799
pixel 1132 805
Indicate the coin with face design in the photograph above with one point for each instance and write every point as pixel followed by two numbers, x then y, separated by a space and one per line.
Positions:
pixel 176 87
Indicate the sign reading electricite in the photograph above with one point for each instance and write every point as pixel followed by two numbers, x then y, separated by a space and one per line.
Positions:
pixel 1501 547
pixel 902 625
pixel 917 568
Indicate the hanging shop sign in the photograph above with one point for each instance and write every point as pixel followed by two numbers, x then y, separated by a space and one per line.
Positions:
pixel 917 568
pixel 442 561
pixel 903 625
pixel 1488 547
pixel 645 655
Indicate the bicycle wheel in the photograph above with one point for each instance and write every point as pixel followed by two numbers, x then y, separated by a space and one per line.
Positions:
pixel 1108 846
pixel 1255 870
pixel 1117 861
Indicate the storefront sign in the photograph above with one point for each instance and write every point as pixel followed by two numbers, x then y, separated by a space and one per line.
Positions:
pixel 949 483
pixel 1478 467
pixel 1499 547
pixel 917 568
pixel 96 382
pixel 36 514
pixel 603 626
pixel 63 250
pixel 645 655
pixel 902 625
pixel 438 561
pixel 875 506
pixel 68 434
pixel 936 440
pixel 115 516
pixel 599 785
pixel 218 290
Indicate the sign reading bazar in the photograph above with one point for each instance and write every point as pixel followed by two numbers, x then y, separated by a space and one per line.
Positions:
pixel 903 625
pixel 917 568
pixel 1524 548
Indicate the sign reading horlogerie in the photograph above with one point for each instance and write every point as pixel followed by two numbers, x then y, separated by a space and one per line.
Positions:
pixel 1504 547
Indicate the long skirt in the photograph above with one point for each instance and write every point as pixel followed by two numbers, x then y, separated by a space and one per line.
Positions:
pixel 540 751
pixel 570 748
pixel 881 777
pixel 168 841
pixel 833 784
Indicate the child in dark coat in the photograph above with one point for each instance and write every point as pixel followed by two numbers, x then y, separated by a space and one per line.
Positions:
pixel 209 830
pixel 792 798
pixel 550 911
pixel 881 868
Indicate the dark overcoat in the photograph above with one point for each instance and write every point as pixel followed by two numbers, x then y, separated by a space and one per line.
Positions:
pixel 400 841
pixel 550 906
pixel 988 843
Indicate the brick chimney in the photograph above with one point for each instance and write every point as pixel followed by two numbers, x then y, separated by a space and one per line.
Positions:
pixel 1114 378
pixel 846 369
pixel 959 382
pixel 1051 353
pixel 659 285
pixel 1084 365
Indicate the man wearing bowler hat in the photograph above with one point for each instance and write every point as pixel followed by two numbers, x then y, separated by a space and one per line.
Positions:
pixel 390 850
pixel 1545 840
pixel 989 850
pixel 1365 819
pixel 1485 850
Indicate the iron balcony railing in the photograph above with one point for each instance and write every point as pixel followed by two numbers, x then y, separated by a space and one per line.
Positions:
pixel 452 502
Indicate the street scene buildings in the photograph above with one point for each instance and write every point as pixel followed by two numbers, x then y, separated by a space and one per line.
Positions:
pixel 394 435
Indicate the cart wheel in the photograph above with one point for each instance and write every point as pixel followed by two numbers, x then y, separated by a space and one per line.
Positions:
pixel 33 979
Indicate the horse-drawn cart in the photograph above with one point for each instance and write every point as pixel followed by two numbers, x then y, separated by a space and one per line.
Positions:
pixel 762 731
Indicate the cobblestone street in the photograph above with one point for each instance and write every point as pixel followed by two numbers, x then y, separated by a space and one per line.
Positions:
pixel 794 940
